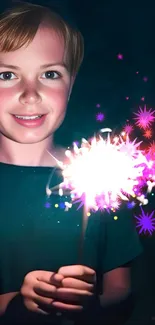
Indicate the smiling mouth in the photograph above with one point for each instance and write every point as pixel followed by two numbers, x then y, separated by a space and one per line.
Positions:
pixel 28 117
pixel 30 121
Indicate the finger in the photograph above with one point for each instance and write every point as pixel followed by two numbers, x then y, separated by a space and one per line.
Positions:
pixel 77 284
pixel 63 306
pixel 72 295
pixel 78 271
pixel 73 291
pixel 44 301
pixel 44 289
pixel 50 277
pixel 34 307
pixel 73 269
pixel 56 279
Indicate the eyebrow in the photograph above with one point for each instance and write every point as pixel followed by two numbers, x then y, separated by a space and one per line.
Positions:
pixel 44 66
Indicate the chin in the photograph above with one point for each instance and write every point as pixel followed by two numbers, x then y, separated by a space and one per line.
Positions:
pixel 28 141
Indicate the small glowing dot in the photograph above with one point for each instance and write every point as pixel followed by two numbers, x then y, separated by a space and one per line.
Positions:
pixel 56 205
pixel 58 221
pixel 152 194
pixel 68 205
pixel 123 133
pixel 60 191
pixel 88 214
pixel 48 192
pixel 115 218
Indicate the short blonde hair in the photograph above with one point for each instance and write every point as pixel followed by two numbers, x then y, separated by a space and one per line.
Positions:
pixel 19 25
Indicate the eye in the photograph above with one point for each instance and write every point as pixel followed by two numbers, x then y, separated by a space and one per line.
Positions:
pixel 7 75
pixel 51 75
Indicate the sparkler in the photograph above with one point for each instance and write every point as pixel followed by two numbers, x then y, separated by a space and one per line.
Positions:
pixel 103 172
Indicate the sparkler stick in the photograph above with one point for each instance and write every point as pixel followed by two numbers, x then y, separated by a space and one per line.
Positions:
pixel 82 234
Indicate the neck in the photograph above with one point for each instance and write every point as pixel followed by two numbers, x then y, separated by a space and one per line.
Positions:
pixel 36 154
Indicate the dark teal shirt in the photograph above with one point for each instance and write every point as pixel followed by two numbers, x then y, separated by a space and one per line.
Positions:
pixel 36 233
pixel 143 273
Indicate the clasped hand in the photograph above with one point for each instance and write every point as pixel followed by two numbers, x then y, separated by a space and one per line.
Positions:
pixel 70 289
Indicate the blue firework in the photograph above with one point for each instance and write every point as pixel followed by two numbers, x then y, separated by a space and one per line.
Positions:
pixel 145 222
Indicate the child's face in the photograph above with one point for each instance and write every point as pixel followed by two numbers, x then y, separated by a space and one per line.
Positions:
pixel 31 89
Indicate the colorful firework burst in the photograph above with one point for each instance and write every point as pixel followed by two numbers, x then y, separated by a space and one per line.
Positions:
pixel 120 56
pixel 99 117
pixel 130 147
pixel 151 150
pixel 145 79
pixel 128 128
pixel 144 117
pixel 148 134
pixel 145 222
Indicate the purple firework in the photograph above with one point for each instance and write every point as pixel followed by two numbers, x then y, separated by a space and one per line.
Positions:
pixel 145 222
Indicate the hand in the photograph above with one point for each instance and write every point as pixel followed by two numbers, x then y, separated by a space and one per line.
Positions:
pixel 38 290
pixel 77 288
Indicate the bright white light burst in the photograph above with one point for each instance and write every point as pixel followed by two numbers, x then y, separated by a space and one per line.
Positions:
pixel 103 172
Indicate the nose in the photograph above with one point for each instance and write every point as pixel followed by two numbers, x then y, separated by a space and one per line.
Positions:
pixel 30 96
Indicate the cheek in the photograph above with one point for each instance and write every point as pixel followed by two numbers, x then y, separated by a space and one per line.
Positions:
pixel 6 95
pixel 58 98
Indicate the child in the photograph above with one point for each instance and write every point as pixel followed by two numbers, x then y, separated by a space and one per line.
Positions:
pixel 40 273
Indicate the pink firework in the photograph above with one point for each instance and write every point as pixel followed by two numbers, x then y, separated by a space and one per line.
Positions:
pixel 132 148
pixel 144 117
pixel 148 134
pixel 151 150
pixel 128 129
pixel 145 79
pixel 120 56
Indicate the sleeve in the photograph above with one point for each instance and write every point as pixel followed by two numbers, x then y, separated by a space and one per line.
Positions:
pixel 121 242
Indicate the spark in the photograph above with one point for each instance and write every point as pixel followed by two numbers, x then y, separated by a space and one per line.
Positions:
pixel 148 134
pixel 145 79
pixel 144 117
pixel 120 56
pixel 128 128
pixel 100 117
pixel 145 222
pixel 151 150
